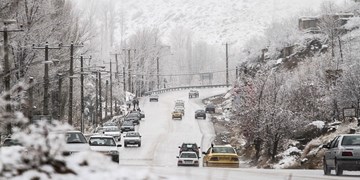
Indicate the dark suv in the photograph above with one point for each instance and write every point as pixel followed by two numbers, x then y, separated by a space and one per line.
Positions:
pixel 189 147
pixel 210 108
pixel 200 113
pixel 134 117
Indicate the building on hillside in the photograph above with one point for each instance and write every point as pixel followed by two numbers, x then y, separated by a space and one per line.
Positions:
pixel 356 0
pixel 309 24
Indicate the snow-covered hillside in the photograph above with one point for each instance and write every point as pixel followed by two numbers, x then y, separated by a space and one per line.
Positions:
pixel 215 21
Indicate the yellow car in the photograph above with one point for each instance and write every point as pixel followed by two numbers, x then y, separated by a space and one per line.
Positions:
pixel 177 114
pixel 221 156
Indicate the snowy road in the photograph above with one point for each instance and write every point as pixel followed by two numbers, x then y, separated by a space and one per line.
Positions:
pixel 161 136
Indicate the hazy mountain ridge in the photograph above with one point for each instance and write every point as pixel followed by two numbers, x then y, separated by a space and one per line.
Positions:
pixel 213 20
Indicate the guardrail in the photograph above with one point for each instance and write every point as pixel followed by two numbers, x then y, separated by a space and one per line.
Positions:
pixel 159 91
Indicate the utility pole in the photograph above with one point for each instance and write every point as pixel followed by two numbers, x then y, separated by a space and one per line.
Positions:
pixel 129 86
pixel 6 71
pixel 158 73
pixel 30 94
pixel 237 72
pixel 96 99
pixel 106 99
pixel 129 71
pixel 227 64
pixel 124 79
pixel 100 99
pixel 46 75
pixel 111 89
pixel 82 58
pixel 82 93
pixel 71 85
pixel 60 94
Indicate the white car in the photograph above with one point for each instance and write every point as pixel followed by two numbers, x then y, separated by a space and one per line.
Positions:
pixel 342 153
pixel 180 108
pixel 132 138
pixel 188 158
pixel 106 145
pixel 113 131
pixel 75 142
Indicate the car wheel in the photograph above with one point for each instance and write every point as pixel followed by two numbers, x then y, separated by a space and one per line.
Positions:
pixel 338 169
pixel 139 144
pixel 327 170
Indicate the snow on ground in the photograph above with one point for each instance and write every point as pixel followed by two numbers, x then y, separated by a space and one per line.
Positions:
pixel 318 124
pixel 288 158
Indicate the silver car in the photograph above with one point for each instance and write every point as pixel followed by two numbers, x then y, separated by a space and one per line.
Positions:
pixel 342 153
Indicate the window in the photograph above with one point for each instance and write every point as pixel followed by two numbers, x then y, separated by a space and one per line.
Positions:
pixel 75 138
pixel 351 141
pixel 102 142
pixel 223 150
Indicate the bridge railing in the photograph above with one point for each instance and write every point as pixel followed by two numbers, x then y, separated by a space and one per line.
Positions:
pixel 159 91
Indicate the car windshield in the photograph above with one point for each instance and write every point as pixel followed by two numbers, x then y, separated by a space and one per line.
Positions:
pixel 102 141
pixel 351 141
pixel 188 155
pixel 127 123
pixel 111 129
pixel 75 138
pixel 110 124
pixel 133 115
pixel 223 150
pixel 132 135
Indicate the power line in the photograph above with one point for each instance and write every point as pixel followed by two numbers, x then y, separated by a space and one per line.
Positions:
pixel 184 74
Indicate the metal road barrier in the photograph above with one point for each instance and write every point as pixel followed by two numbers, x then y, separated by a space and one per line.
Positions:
pixel 183 88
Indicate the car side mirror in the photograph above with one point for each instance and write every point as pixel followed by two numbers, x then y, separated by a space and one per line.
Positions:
pixel 326 146
pixel 179 147
pixel 204 153
pixel 177 156
pixel 119 145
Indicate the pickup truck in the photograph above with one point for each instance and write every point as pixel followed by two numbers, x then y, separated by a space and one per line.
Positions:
pixel 132 138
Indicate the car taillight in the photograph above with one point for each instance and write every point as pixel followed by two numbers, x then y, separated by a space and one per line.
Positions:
pixel 346 153
pixel 235 159
pixel 196 162
pixel 214 159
